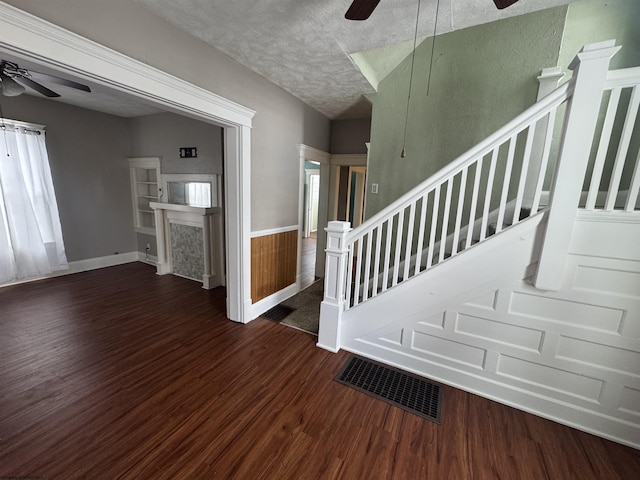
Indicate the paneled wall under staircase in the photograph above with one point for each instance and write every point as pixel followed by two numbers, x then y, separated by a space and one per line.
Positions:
pixel 572 355
pixel 543 311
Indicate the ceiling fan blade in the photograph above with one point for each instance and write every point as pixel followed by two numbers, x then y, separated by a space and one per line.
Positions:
pixel 361 9
pixel 37 87
pixel 504 3
pixel 60 81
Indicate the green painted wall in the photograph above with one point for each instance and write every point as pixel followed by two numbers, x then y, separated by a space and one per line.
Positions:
pixel 590 21
pixel 482 77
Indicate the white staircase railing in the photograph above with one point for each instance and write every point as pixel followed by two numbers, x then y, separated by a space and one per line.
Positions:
pixel 617 148
pixel 498 183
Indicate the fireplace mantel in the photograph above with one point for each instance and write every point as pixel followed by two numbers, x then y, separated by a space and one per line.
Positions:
pixel 190 242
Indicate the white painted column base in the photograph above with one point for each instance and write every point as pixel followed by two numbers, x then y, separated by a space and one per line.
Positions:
pixel 330 327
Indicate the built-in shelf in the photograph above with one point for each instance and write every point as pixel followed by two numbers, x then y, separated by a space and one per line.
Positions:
pixel 145 188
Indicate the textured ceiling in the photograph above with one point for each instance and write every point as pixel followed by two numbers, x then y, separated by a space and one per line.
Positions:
pixel 304 46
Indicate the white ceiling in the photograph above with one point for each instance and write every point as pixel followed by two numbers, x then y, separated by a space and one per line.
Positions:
pixel 306 47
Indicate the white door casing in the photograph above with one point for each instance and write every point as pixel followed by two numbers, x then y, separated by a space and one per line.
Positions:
pixel 29 37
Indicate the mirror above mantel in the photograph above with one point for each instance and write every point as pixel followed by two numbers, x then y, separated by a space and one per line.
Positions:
pixel 195 190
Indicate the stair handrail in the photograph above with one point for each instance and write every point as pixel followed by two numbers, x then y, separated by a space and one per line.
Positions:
pixel 355 258
pixel 537 111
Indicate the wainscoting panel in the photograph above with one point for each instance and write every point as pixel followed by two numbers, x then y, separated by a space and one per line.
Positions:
pixel 273 263
pixel 572 355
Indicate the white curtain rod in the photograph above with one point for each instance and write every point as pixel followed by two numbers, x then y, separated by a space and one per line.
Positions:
pixel 32 127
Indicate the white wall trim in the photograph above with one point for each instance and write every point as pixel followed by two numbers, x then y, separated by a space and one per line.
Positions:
pixel 91 60
pixel 346 160
pixel 314 155
pixel 153 260
pixel 86 265
pixel 272 300
pixel 273 231
pixel 27 36
pixel 617 216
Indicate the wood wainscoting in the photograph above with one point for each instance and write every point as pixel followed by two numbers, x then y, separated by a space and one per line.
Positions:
pixel 273 262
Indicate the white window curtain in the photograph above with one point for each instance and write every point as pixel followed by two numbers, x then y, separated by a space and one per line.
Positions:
pixel 31 242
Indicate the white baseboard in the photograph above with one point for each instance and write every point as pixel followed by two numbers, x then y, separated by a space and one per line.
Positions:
pixel 87 265
pixel 574 416
pixel 150 260
pixel 272 300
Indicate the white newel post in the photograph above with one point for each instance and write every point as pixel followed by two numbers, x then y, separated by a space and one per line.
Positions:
pixel 548 81
pixel 590 68
pixel 332 305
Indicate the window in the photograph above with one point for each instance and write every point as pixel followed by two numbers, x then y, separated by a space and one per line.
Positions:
pixel 30 233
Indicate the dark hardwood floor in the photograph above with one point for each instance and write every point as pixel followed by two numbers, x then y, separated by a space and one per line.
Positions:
pixel 122 374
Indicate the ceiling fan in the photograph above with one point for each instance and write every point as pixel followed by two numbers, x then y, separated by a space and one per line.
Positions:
pixel 362 9
pixel 13 80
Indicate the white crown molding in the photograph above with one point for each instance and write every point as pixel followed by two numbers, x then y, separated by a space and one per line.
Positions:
pixel 28 36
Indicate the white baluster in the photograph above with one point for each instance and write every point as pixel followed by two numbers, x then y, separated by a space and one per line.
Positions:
pixel 603 147
pixel 523 173
pixel 474 202
pixel 456 231
pixel 548 81
pixel 505 183
pixel 487 195
pixel 634 187
pixel 445 219
pixel 409 241
pixel 423 218
pixel 623 148
pixel 434 224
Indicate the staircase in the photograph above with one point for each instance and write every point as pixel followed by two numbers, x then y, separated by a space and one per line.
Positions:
pixel 513 272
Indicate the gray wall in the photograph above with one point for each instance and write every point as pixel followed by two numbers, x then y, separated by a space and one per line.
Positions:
pixel 161 135
pixel 281 123
pixel 87 153
pixel 350 136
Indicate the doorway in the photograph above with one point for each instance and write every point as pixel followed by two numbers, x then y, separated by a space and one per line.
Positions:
pixel 310 224
pixel 50 46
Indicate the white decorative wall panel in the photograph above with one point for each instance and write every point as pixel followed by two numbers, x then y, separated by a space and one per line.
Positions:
pixel 453 351
pixel 487 301
pixel 549 378
pixel 602 279
pixel 599 355
pixel 571 355
pixel 565 311
pixel 499 332
pixel 630 401
pixel 434 321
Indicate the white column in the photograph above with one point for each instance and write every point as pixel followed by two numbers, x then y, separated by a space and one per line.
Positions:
pixel 548 81
pixel 162 267
pixel 207 284
pixel 332 306
pixel 237 176
pixel 590 68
